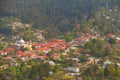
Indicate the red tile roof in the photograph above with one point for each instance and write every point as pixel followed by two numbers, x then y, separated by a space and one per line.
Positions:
pixel 43 48
pixel 21 53
pixel 56 44
pixel 1 51
pixel 57 40
pixel 44 57
pixel 36 44
pixel 110 35
pixel 10 49
pixel 33 55
pixel 82 39
pixel 55 55
pixel 8 57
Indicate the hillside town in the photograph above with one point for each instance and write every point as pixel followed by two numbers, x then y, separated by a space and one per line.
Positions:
pixel 59 39
pixel 76 53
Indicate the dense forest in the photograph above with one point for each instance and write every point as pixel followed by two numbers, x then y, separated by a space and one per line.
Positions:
pixel 63 15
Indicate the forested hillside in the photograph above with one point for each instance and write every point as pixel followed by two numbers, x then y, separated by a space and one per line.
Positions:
pixel 59 39
pixel 62 15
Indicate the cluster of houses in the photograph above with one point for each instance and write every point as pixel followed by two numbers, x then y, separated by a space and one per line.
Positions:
pixel 53 44
pixel 31 50
pixel 34 50
pixel 18 24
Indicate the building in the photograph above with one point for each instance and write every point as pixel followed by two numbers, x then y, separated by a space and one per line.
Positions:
pixel 73 69
pixel 19 44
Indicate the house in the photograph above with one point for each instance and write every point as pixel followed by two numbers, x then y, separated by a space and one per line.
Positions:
pixel 118 64
pixel 69 74
pixel 64 54
pixel 93 60
pixel 61 47
pixel 19 25
pixel 67 50
pixel 73 69
pixel 56 56
pixel 19 44
pixel 83 39
pixel 4 66
pixel 52 63
pixel 8 57
pixel 37 45
pixel 39 36
pixel 10 49
pixel 107 17
pixel 118 39
pixel 29 47
pixel 90 60
pixel 2 53
pixel 111 35
pixel 44 49
pixel 80 78
pixel 57 44
pixel 57 40
pixel 21 54
pixel 107 61
pixel 54 44
pixel 14 63
pixel 44 57
pixel 73 59
pixel 73 48
pixel 33 55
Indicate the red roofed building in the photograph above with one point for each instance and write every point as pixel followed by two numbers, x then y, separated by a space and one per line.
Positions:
pixel 33 55
pixel 83 39
pixel 9 49
pixel 44 49
pixel 8 57
pixel 118 39
pixel 57 44
pixel 3 53
pixel 56 56
pixel 110 35
pixel 52 44
pixel 57 40
pixel 21 54
pixel 44 57
pixel 61 47
pixel 36 45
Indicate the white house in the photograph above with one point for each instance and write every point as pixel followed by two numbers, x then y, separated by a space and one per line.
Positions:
pixel 73 69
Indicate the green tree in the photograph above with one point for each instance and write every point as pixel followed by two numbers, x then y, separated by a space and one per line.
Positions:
pixel 89 45
pixel 29 35
pixel 68 38
pixel 112 41
pixel 94 72
pixel 1 46
pixel 40 71
pixel 109 70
